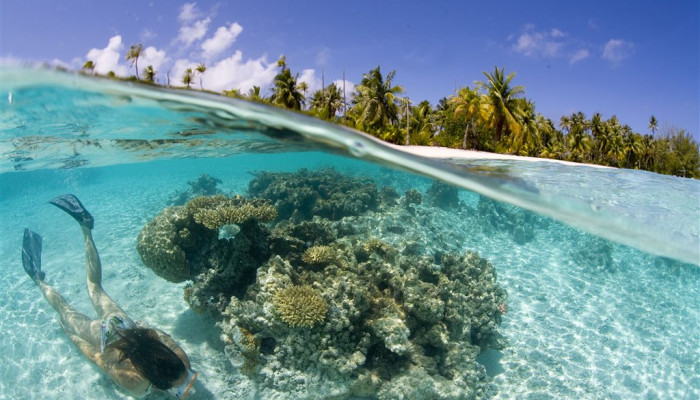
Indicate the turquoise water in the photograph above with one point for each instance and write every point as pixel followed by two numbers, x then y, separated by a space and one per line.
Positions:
pixel 601 273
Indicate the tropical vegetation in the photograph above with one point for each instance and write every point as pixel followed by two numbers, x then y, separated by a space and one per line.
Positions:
pixel 494 115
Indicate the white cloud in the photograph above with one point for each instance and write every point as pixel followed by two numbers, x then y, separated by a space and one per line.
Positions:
pixel 229 73
pixel 107 59
pixel 349 88
pixel 222 40
pixel 545 44
pixel 189 12
pixel 153 57
pixel 617 50
pixel 309 76
pixel 190 33
pixel 557 33
pixel 579 55
pixel 147 35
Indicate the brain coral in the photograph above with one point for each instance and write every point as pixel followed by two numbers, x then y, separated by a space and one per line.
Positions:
pixel 300 305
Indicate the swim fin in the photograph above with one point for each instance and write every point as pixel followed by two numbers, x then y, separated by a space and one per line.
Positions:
pixel 75 209
pixel 31 255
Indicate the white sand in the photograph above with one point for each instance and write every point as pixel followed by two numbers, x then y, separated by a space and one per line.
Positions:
pixel 450 153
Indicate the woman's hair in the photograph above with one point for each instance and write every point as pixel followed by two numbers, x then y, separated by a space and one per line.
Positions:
pixel 150 356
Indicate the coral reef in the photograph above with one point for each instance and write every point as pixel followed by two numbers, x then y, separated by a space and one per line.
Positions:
pixel 412 197
pixel 300 305
pixel 318 255
pixel 184 243
pixel 521 224
pixel 205 185
pixel 348 291
pixel 443 195
pixel 325 193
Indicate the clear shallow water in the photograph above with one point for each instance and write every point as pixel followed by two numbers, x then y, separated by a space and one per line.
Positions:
pixel 587 318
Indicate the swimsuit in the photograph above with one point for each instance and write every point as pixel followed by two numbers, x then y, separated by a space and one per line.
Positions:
pixel 110 326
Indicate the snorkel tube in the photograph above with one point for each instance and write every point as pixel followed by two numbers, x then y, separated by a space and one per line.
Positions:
pixel 186 388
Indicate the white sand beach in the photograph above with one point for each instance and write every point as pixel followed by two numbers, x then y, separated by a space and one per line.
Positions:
pixel 450 153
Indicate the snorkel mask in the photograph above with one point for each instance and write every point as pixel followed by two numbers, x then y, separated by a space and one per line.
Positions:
pixel 186 388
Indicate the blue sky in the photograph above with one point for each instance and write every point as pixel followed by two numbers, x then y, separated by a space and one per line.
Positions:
pixel 629 58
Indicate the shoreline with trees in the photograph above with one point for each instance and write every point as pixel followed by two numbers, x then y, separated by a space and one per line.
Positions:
pixel 494 116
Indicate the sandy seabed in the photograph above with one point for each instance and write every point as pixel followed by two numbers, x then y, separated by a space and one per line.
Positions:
pixel 573 332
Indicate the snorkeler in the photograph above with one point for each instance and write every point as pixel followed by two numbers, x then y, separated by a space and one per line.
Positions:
pixel 134 355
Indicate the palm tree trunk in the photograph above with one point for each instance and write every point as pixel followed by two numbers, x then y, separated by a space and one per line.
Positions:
pixel 499 130
pixel 466 134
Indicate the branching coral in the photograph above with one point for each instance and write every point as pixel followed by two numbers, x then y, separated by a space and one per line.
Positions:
pixel 300 305
pixel 216 211
pixel 319 255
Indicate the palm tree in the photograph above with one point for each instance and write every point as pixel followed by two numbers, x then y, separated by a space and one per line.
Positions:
pixel 187 77
pixel 201 69
pixel 303 87
pixel 616 149
pixel 469 103
pixel 286 91
pixel 254 94
pixel 422 123
pixel 327 102
pixel 577 137
pixel 632 147
pixel 374 104
pixel 232 93
pixel 282 62
pixel 647 153
pixel 525 141
pixel 133 54
pixel 89 66
pixel 149 74
pixel 653 125
pixel 502 98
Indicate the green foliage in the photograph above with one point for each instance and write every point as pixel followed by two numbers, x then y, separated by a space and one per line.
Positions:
pixel 327 102
pixel 494 116
pixel 133 55
pixel 187 77
pixel 678 155
pixel 285 92
pixel 149 74
pixel 375 102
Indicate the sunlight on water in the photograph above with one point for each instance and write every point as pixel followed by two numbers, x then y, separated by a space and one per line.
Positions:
pixel 419 290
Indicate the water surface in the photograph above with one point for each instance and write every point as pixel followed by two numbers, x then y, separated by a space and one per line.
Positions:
pixel 586 317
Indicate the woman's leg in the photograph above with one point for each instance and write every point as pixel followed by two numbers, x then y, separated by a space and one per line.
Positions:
pixel 104 305
pixel 73 322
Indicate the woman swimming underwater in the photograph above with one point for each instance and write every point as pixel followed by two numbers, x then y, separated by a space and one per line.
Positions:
pixel 136 356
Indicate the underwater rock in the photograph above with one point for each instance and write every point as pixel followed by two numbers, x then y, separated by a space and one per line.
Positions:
pixel 595 253
pixel 205 185
pixel 164 242
pixel 325 193
pixel 339 297
pixel 184 243
pixel 389 196
pixel 447 310
pixel 443 195
pixel 412 197
pixel 521 224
